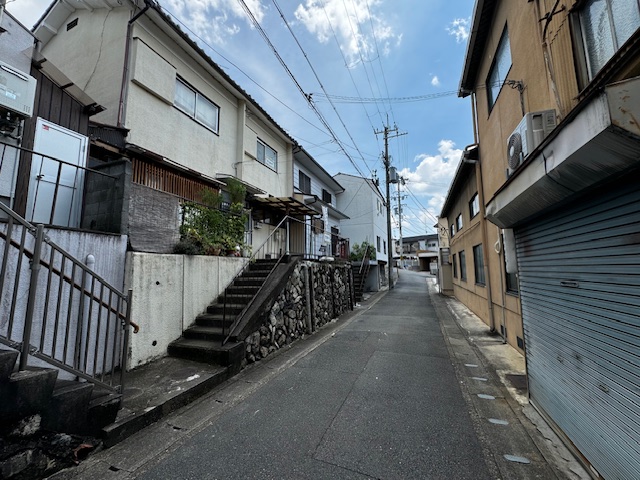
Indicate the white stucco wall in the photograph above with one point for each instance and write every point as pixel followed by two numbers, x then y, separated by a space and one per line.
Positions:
pixel 81 54
pixel 169 291
pixel 366 211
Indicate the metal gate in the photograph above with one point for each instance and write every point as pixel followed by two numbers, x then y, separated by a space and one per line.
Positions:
pixel 580 290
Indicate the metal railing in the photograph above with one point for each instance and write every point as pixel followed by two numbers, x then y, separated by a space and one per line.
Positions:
pixel 57 188
pixel 57 310
pixel 290 236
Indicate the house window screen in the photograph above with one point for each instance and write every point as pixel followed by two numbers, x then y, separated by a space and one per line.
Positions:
pixel 606 25
pixel 499 69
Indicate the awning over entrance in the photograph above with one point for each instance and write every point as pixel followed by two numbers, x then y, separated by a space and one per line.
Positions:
pixel 602 140
pixel 250 188
pixel 286 205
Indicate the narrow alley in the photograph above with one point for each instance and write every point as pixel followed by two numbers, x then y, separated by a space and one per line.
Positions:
pixel 375 396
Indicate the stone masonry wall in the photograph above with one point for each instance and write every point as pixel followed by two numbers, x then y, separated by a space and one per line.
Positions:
pixel 288 317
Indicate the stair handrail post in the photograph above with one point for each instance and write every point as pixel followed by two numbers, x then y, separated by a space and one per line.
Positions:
pixel 33 287
pixel 125 341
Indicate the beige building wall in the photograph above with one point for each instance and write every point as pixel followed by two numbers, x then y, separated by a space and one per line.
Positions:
pixel 79 53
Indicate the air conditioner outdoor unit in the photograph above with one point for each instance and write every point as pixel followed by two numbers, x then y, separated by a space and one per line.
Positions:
pixel 17 90
pixel 530 133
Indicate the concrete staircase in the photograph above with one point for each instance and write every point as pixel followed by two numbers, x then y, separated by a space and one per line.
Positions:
pixel 203 340
pixel 360 273
pixel 65 406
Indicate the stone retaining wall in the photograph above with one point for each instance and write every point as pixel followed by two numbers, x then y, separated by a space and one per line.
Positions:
pixel 289 318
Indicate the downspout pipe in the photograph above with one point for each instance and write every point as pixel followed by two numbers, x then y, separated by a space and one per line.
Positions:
pixel 125 70
pixel 485 246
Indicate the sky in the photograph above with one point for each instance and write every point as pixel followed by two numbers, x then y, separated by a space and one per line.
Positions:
pixel 334 72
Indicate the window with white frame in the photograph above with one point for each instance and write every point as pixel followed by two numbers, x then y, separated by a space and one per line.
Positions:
pixel 268 156
pixel 196 105
pixel 605 26
pixel 452 230
pixel 377 243
pixel 499 68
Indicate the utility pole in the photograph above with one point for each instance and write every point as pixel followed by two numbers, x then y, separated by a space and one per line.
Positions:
pixel 401 182
pixel 387 164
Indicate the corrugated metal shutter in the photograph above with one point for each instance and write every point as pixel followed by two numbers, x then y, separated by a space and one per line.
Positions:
pixel 580 289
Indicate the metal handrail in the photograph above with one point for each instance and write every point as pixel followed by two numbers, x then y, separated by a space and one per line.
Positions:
pixel 255 255
pixel 93 341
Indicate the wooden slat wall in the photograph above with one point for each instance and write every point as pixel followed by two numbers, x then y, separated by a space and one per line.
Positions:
pixel 165 180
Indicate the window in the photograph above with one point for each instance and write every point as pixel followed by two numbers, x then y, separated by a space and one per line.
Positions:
pixel 326 196
pixel 196 105
pixel 455 266
pixel 463 265
pixel 478 265
pixel 384 244
pixel 474 206
pixel 459 222
pixel 378 243
pixel 268 156
pixel 304 182
pixel 605 26
pixel 452 230
pixel 512 282
pixel 499 69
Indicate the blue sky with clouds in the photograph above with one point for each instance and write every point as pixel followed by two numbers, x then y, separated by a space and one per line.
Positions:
pixel 371 57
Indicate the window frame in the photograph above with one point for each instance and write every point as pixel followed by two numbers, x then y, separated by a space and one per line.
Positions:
pixel 263 160
pixel 193 113
pixel 491 100
pixel 584 70
pixel 474 202
pixel 478 265
pixel 462 257
pixel 303 181
pixel 378 243
pixel 459 222
pixel 326 196
pixel 452 230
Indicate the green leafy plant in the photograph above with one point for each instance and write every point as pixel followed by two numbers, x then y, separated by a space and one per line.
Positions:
pixel 208 230
pixel 358 250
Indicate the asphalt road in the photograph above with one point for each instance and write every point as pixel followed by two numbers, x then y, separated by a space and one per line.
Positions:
pixel 378 399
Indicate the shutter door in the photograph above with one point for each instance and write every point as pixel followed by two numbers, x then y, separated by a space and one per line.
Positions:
pixel 579 272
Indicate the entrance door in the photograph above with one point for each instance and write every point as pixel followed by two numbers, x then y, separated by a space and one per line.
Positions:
pixel 55 188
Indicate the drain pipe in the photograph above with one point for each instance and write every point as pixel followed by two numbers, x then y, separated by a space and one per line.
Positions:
pixel 498 249
pixel 125 70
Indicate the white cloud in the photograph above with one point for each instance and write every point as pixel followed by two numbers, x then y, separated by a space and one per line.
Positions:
pixel 433 174
pixel 355 25
pixel 435 81
pixel 215 21
pixel 459 28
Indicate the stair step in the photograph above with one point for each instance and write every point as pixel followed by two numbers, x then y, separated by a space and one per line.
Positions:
pixel 7 363
pixel 235 299
pixel 243 289
pixel 27 392
pixel 206 333
pixel 67 409
pixel 232 309
pixel 102 410
pixel 209 352
pixel 214 320
pixel 248 282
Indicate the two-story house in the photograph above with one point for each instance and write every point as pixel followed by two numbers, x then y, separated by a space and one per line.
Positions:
pixel 555 92
pixel 174 125
pixel 364 204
